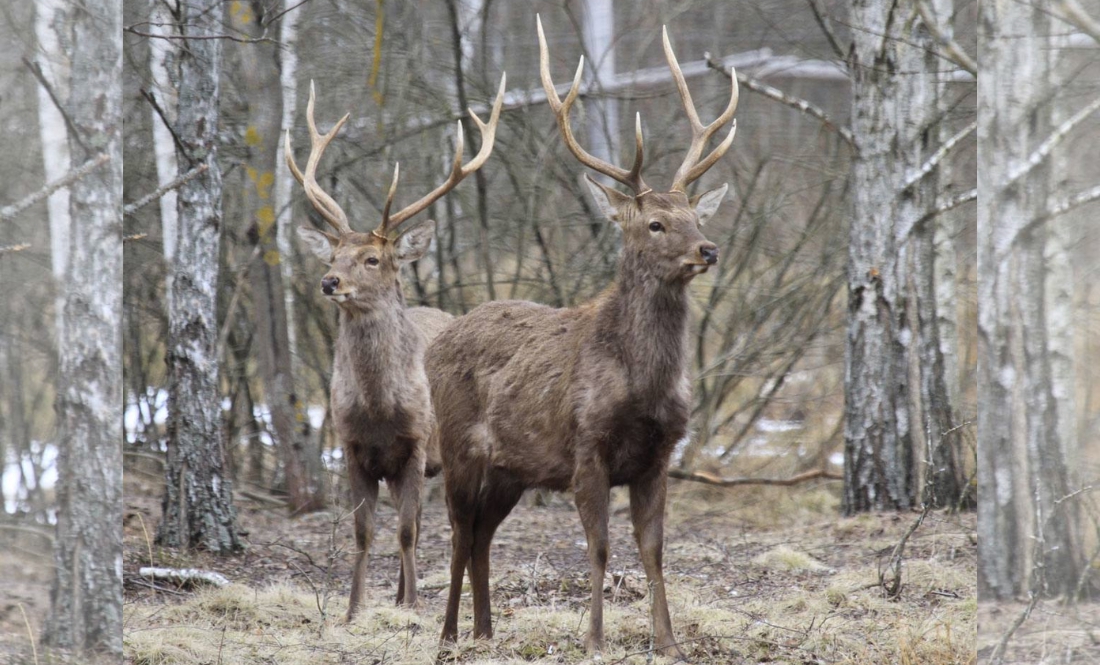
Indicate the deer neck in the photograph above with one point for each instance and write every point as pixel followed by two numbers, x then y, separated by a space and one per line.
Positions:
pixel 647 316
pixel 374 348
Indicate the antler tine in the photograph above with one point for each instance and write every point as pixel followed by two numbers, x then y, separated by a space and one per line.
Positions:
pixel 458 171
pixel 383 227
pixel 322 202
pixel 631 178
pixel 692 167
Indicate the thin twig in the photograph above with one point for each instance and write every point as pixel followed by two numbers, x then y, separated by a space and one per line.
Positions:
pixel 952 50
pixel 795 102
pixel 1045 148
pixel 827 27
pixel 938 156
pixel 8 212
pixel 187 38
pixel 171 130
pixel 73 131
pixel 30 633
pixel 1071 12
pixel 131 208
pixel 11 249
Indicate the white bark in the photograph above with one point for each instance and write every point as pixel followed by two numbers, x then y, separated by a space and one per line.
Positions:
pixel 161 54
pixel 86 595
pixel 284 181
pixel 598 25
pixel 48 19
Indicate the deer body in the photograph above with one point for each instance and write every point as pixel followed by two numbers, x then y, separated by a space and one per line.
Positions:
pixel 584 398
pixel 379 397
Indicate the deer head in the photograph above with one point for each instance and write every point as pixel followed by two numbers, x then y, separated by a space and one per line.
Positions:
pixel 364 268
pixel 660 228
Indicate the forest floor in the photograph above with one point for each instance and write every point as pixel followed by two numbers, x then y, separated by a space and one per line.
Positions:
pixel 754 575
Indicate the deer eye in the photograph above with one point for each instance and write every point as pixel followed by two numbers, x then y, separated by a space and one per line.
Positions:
pixel 656 227
pixel 372 261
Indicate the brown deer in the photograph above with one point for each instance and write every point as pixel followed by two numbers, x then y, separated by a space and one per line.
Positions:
pixel 380 402
pixel 584 398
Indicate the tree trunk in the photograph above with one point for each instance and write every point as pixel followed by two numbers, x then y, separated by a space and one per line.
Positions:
pixel 162 53
pixel 878 455
pixel 198 509
pixel 262 87
pixel 86 594
pixel 1027 520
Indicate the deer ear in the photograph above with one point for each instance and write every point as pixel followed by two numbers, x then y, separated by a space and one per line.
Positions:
pixel 706 204
pixel 607 198
pixel 413 244
pixel 319 242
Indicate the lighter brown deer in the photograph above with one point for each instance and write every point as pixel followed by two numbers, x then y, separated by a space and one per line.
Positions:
pixel 380 404
pixel 584 398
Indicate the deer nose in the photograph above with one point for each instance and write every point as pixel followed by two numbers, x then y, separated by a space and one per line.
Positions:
pixel 329 284
pixel 709 252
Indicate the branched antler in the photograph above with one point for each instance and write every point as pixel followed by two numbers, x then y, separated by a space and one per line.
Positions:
pixel 325 204
pixel 390 223
pixel 693 167
pixel 631 178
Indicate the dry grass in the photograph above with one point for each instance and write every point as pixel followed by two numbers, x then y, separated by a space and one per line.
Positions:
pixel 746 585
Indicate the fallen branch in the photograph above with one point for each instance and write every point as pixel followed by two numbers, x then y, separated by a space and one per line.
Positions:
pixel 185 577
pixel 11 249
pixel 712 479
pixel 9 212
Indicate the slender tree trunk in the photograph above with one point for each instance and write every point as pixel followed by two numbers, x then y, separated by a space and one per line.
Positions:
pixel 878 454
pixel 86 594
pixel 162 56
pixel 198 509
pixel 264 97
pixel 1027 523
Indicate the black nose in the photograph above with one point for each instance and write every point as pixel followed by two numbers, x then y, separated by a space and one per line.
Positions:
pixel 329 284
pixel 709 253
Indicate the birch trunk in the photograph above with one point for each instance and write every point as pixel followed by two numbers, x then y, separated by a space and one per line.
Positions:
pixel 262 85
pixel 86 594
pixel 878 455
pixel 49 18
pixel 197 506
pixel 162 54
pixel 1027 533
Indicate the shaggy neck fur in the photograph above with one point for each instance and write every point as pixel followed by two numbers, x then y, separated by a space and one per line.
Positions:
pixel 377 346
pixel 646 317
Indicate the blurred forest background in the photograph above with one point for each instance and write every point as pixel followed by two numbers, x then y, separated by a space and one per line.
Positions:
pixel 846 175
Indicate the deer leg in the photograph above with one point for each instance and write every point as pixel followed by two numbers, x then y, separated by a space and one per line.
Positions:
pixel 592 493
pixel 462 539
pixel 364 496
pixel 406 496
pixel 496 506
pixel 647 511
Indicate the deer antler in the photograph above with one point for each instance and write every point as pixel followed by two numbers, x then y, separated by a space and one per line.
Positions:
pixel 325 204
pixel 692 167
pixel 631 178
pixel 458 171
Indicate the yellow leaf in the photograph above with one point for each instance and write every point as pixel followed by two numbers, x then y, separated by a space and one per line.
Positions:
pixel 252 137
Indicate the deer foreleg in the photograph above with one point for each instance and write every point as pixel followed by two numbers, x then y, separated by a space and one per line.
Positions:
pixel 591 486
pixel 364 496
pixel 647 511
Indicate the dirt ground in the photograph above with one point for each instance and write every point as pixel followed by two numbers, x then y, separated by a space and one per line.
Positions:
pixel 754 575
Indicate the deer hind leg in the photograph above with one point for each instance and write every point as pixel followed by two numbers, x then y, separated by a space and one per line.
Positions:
pixel 500 498
pixel 406 496
pixel 364 497
pixel 647 511
pixel 461 511
pixel 592 492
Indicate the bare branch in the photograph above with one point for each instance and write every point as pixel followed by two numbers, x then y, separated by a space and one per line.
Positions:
pixel 827 28
pixel 951 48
pixel 784 98
pixel 1072 13
pixel 11 249
pixel 711 479
pixel 8 212
pixel 1059 133
pixel 938 156
pixel 131 208
pixel 73 131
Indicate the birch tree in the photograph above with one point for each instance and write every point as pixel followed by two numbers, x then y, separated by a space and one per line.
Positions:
pixel 1028 517
pixel 197 505
pixel 892 325
pixel 86 594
